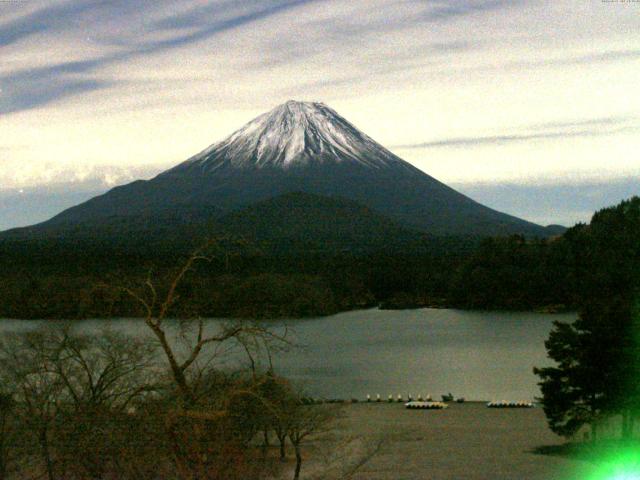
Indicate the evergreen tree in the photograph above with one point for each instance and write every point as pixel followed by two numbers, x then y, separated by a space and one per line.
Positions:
pixel 598 356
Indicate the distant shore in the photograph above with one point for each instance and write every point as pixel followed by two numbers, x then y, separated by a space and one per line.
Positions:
pixel 403 304
pixel 389 306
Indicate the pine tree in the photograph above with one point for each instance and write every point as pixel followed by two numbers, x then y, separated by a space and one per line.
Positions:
pixel 597 372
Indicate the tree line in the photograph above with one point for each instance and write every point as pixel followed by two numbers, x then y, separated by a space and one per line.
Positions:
pixel 596 376
pixel 52 279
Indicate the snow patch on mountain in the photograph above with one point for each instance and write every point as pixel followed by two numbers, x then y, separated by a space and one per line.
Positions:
pixel 295 134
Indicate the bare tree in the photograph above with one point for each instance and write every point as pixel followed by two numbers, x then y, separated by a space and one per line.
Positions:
pixel 26 369
pixel 72 391
pixel 189 364
pixel 105 375
pixel 302 421
pixel 104 369
pixel 157 307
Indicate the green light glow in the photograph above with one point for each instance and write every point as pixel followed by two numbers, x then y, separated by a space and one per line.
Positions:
pixel 620 465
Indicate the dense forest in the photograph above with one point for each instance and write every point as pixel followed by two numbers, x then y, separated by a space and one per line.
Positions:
pixel 82 276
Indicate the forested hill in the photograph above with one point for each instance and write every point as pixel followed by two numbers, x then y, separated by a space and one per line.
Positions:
pixel 295 223
pixel 255 275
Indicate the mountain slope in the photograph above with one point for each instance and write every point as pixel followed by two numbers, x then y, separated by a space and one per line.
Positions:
pixel 303 147
pixel 310 223
pixel 292 223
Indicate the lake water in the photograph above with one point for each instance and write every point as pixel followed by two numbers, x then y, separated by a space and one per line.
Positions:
pixel 477 355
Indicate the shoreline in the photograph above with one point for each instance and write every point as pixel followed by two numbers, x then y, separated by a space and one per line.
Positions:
pixel 541 311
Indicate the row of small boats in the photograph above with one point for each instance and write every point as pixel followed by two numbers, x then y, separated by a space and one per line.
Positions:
pixel 426 405
pixel 505 404
pixel 400 398
pixel 422 403
pixel 419 405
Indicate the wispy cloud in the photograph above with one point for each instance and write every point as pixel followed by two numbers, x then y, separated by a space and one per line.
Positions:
pixel 593 58
pixel 372 42
pixel 48 18
pixel 443 10
pixel 545 131
pixel 213 26
pixel 28 88
pixel 34 87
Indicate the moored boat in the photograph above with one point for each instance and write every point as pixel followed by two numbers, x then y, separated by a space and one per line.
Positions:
pixel 505 404
pixel 426 405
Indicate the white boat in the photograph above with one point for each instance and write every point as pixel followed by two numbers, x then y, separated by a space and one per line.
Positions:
pixel 505 404
pixel 426 405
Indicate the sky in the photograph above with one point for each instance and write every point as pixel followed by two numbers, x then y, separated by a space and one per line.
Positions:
pixel 528 106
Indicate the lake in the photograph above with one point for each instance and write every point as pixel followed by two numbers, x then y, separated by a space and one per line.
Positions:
pixel 473 354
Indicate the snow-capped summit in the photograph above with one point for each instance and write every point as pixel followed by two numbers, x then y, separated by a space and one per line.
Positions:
pixel 291 135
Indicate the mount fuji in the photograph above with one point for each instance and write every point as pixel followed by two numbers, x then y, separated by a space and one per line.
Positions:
pixel 296 148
